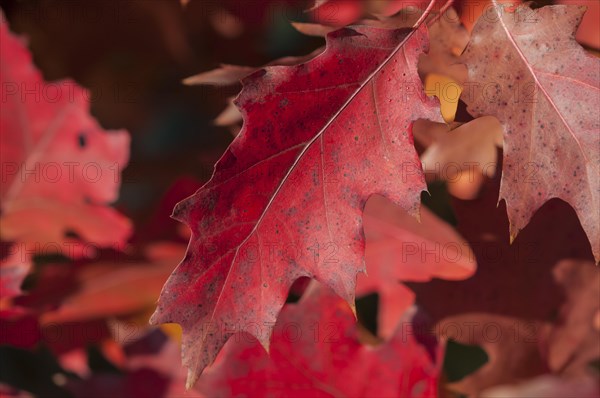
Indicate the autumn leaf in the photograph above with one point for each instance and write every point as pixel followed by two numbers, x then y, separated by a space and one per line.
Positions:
pixel 401 249
pixel 105 290
pixel 461 156
pixel 447 36
pixel 519 349
pixel 510 344
pixel 60 169
pixel 510 306
pixel 588 33
pixel 336 13
pixel 127 284
pixel 474 143
pixel 573 343
pixel 448 40
pixel 526 69
pixel 316 352
pixel 286 198
pixel 345 12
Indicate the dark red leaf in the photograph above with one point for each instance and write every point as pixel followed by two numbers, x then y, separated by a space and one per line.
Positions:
pixel 286 199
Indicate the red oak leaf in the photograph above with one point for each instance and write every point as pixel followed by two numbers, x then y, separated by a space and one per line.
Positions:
pixel 521 348
pixel 400 248
pixel 515 305
pixel 589 30
pixel 118 284
pixel 106 291
pixel 59 168
pixel 316 352
pixel 286 199
pixel 450 40
pixel 573 343
pixel 447 36
pixel 462 156
pixel 344 12
pixel 337 12
pixel 526 69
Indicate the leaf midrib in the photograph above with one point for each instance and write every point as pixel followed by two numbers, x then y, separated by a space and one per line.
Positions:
pixel 538 83
pixel 308 144
pixel 32 151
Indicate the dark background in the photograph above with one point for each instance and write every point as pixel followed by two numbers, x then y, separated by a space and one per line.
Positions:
pixel 133 55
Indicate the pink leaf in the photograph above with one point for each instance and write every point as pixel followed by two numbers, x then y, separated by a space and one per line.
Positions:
pixel 400 248
pixel 526 69
pixel 60 169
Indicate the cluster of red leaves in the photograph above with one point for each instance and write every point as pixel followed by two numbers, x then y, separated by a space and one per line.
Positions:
pixel 324 181
pixel 90 279
pixel 320 137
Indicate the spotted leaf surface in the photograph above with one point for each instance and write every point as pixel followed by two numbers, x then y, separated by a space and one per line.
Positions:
pixel 526 69
pixel 286 199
